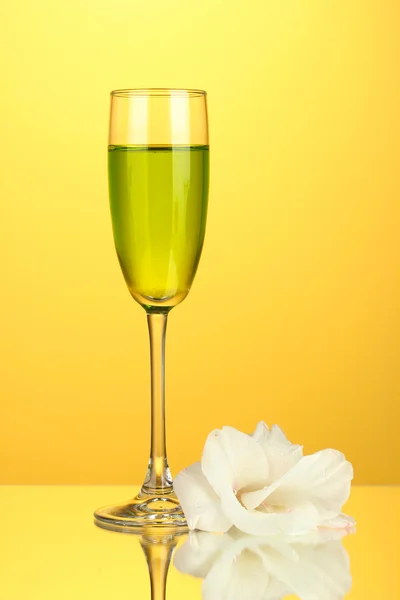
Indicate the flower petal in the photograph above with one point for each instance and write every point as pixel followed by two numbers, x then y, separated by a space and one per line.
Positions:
pixel 323 478
pixel 233 460
pixel 319 536
pixel 261 431
pixel 300 519
pixel 281 454
pixel 252 500
pixel 200 504
pixel 341 521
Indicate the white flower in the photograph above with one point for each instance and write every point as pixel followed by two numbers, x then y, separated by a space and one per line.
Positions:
pixel 263 485
pixel 236 566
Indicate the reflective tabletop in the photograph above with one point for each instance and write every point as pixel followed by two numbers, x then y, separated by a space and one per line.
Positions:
pixel 51 548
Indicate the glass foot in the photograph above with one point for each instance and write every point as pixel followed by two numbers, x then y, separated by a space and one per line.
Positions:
pixel 145 510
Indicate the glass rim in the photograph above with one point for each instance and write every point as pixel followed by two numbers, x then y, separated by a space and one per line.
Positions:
pixel 161 92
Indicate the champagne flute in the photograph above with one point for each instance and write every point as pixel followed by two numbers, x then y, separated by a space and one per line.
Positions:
pixel 158 164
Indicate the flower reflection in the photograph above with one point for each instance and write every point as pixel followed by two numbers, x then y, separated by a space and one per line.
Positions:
pixel 237 566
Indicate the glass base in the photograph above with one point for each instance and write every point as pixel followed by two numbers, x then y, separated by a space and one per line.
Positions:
pixel 160 510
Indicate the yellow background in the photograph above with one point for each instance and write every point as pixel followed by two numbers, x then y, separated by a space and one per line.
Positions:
pixel 294 314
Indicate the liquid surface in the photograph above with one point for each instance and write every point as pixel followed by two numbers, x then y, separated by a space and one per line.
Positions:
pixel 158 198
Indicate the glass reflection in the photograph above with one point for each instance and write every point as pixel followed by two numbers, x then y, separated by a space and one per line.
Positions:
pixel 158 550
pixel 238 566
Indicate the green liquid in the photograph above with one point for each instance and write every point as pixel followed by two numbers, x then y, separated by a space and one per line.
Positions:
pixel 158 198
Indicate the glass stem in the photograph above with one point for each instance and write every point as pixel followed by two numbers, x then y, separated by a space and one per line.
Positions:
pixel 158 476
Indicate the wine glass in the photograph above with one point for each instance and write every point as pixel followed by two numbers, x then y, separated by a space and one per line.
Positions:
pixel 158 165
